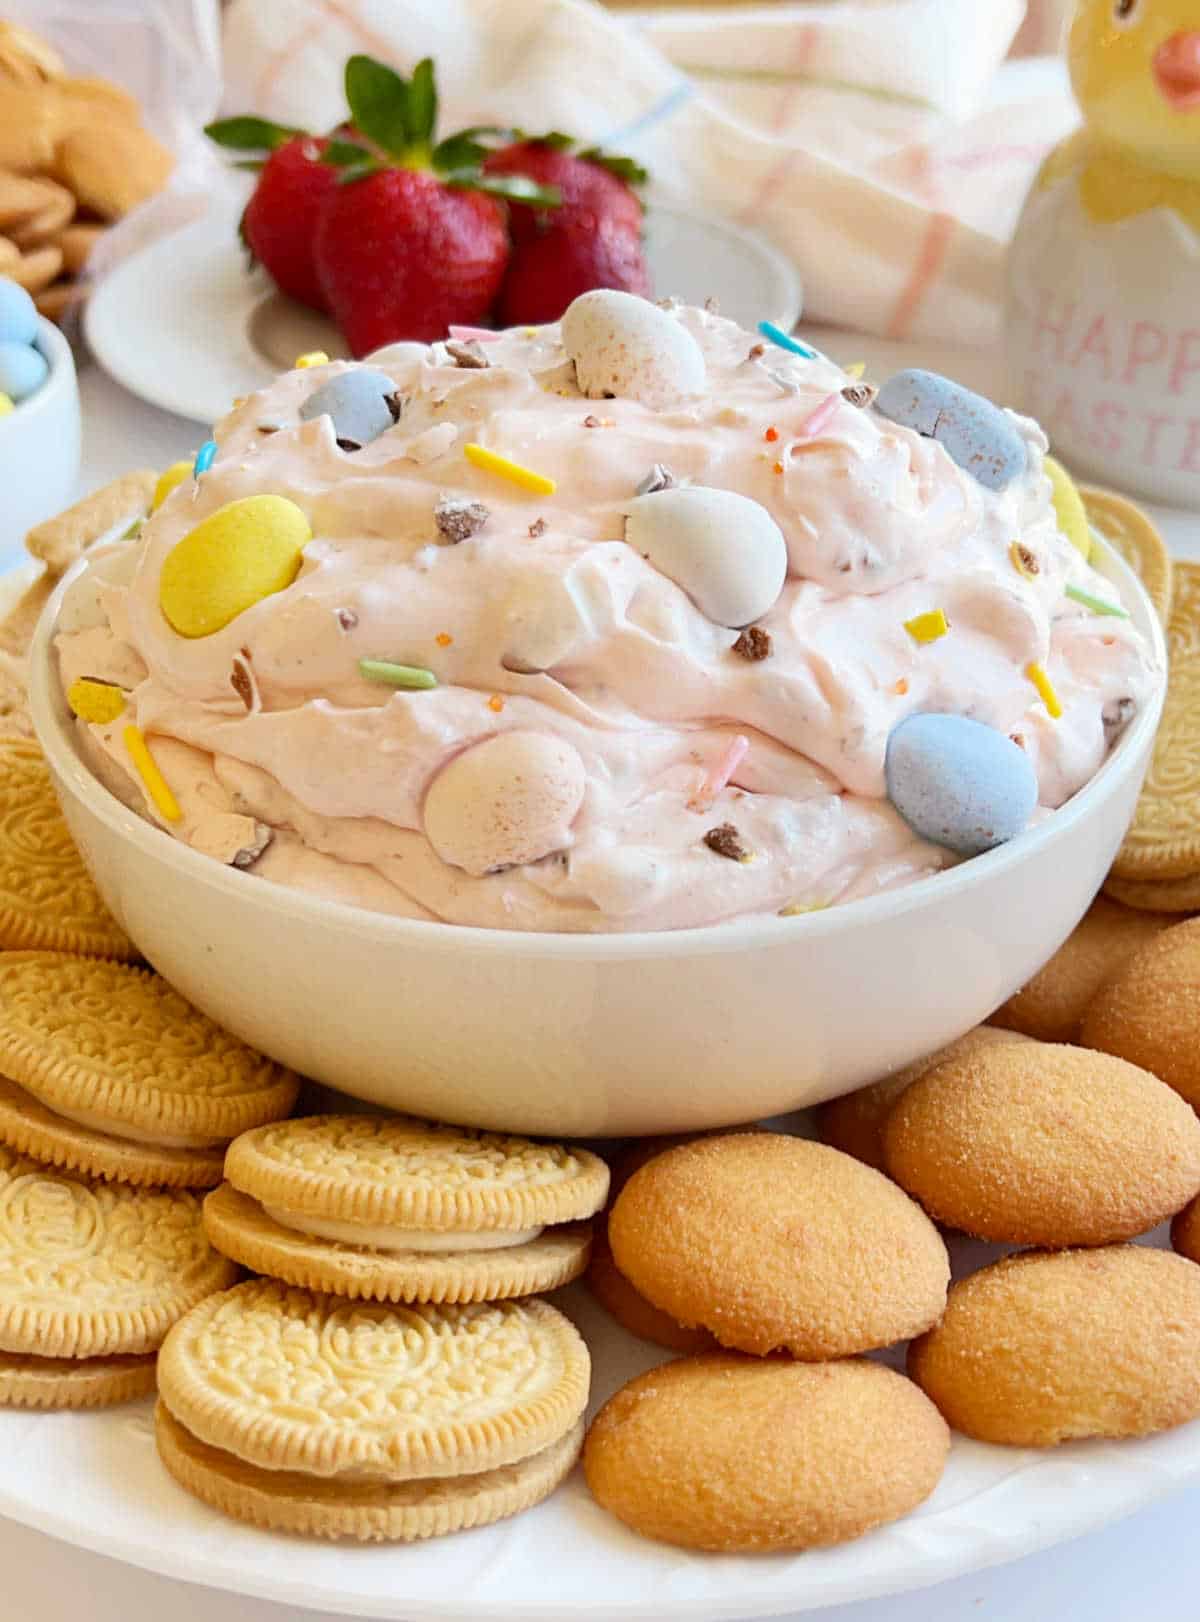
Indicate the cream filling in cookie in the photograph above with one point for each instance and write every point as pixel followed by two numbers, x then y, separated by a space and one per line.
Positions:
pixel 135 1134
pixel 398 1239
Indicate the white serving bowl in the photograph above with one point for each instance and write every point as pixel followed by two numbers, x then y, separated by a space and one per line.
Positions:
pixel 39 448
pixel 598 1035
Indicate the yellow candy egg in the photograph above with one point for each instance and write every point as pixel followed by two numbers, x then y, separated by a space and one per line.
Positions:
pixel 6 405
pixel 238 555
pixel 167 480
pixel 95 701
pixel 1068 505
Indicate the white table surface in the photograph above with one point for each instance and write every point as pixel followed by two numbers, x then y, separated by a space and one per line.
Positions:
pixel 1147 1566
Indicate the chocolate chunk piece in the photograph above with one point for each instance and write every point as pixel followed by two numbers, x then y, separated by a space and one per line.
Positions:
pixel 860 394
pixel 469 355
pixel 754 644
pixel 458 519
pixel 726 841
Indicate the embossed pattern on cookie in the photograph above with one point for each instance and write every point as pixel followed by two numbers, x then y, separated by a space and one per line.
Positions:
pixel 93 1269
pixel 288 1380
pixel 1128 529
pixel 47 898
pixel 117 1048
pixel 1163 841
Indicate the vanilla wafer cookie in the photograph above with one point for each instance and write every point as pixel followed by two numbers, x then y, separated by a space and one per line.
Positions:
pixel 96 1269
pixel 285 1379
pixel 396 1209
pixel 239 1228
pixel 31 1129
pixel 115 1049
pixel 365 1511
pixel 27 1381
pixel 1130 532
pixel 1163 841
pixel 1156 895
pixel 47 898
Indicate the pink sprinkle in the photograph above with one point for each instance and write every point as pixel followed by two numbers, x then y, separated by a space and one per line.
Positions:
pixel 720 773
pixel 820 418
pixel 481 335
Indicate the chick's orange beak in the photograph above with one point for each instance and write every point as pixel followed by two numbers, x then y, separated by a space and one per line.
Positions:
pixel 1177 69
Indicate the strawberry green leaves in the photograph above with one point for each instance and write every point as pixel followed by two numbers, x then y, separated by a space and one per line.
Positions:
pixel 249 134
pixel 379 104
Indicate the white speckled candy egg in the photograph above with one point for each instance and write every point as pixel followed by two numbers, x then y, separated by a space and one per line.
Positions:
pixel 724 550
pixel 626 347
pixel 507 800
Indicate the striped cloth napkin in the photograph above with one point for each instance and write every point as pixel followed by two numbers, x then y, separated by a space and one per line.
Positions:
pixel 885 145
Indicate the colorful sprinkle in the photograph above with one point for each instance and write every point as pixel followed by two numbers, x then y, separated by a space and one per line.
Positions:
pixel 901 687
pixel 1096 604
pixel 855 370
pixel 720 773
pixel 1046 692
pixel 778 336
pixel 821 417
pixel 314 357
pixel 168 480
pixel 771 435
pixel 481 335
pixel 776 467
pixel 1023 560
pixel 927 627
pixel 95 701
pixel 205 457
pixel 6 404
pixel 412 676
pixel 156 783
pixel 496 703
pixel 525 477
pixel 796 909
pixel 443 639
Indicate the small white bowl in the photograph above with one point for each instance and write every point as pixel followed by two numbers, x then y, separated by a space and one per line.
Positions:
pixel 599 1035
pixel 39 448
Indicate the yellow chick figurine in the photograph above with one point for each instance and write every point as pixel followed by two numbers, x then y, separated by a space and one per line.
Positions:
pixel 1103 322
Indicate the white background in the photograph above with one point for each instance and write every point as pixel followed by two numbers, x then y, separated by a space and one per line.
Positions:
pixel 1145 1567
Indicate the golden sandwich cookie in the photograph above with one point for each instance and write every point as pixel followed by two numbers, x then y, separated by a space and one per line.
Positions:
pixel 124 1079
pixel 47 898
pixel 92 1275
pixel 304 1413
pixel 395 1209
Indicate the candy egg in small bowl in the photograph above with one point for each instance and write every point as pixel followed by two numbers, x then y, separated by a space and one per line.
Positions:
pixel 619 1034
pixel 39 419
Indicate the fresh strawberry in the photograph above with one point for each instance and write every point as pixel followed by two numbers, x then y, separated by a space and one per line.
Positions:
pixel 403 256
pixel 551 269
pixel 280 220
pixel 593 185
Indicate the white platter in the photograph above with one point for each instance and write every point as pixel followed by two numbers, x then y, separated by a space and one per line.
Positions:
pixel 186 327
pixel 94 1480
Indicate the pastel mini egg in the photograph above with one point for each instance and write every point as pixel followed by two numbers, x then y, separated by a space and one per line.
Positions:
pixel 23 370
pixel 508 800
pixel 359 404
pixel 958 783
pixel 7 404
pixel 723 549
pixel 976 434
pixel 626 347
pixel 168 480
pixel 1068 506
pixel 243 552
pixel 18 314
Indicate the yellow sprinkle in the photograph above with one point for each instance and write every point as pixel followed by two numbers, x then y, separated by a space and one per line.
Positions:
pixel 490 462
pixel 927 627
pixel 857 370
pixel 795 908
pixel 98 701
pixel 531 332
pixel 1046 692
pixel 156 784
pixel 6 405
pixel 239 400
pixel 314 357
pixel 168 480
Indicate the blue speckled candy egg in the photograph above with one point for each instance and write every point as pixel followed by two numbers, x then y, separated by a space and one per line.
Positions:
pixel 976 434
pixel 18 314
pixel 959 783
pixel 22 370
pixel 359 403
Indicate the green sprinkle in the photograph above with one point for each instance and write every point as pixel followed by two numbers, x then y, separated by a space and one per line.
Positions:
pixel 397 675
pixel 1096 604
